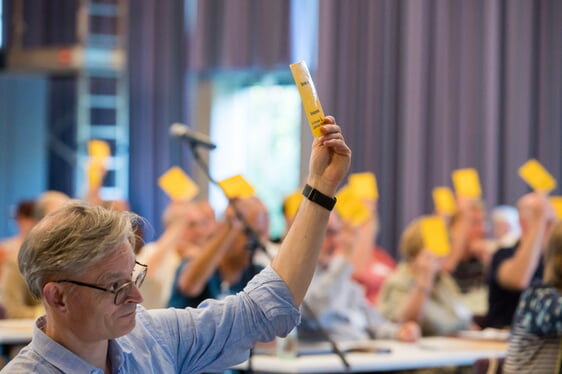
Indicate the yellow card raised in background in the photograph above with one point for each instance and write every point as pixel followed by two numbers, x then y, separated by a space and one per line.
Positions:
pixel 536 176
pixel 96 172
pixel 364 185
pixel 98 149
pixel 556 202
pixel 435 237
pixel 350 206
pixel 177 184
pixel 309 97
pixel 291 204
pixel 237 186
pixel 444 200
pixel 467 183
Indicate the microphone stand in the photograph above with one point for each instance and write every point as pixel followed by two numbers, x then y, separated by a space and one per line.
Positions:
pixel 255 244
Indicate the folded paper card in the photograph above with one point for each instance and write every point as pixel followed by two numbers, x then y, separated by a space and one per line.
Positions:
pixel 98 149
pixel 444 201
pixel 309 97
pixel 351 207
pixel 177 184
pixel 237 186
pixel 536 176
pixel 467 183
pixel 364 185
pixel 435 237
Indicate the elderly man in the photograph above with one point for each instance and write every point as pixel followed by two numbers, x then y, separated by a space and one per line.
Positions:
pixel 224 265
pixel 79 261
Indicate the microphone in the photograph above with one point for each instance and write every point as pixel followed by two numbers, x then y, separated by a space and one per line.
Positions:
pixel 185 132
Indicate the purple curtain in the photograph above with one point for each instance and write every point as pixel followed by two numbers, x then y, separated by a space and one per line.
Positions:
pixel 425 87
pixel 157 99
pixel 241 34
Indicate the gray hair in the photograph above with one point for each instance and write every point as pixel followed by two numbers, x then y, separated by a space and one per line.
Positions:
pixel 70 241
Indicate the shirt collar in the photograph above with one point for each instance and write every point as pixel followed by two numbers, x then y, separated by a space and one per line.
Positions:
pixel 65 360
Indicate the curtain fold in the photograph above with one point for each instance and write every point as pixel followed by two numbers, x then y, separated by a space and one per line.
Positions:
pixel 241 34
pixel 425 87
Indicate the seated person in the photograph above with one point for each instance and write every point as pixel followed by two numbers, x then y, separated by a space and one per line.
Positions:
pixel 182 238
pixel 224 265
pixel 514 269
pixel 421 291
pixel 371 263
pixel 79 261
pixel 536 332
pixel 338 303
pixel 15 297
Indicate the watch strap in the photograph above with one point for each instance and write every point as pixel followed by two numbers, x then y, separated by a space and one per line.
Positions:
pixel 318 197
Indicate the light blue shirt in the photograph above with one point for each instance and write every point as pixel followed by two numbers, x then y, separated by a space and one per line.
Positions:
pixel 214 336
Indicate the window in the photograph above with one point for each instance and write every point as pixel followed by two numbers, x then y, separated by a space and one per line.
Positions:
pixel 256 126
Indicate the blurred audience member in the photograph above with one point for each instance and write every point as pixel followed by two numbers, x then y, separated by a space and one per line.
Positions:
pixel 514 269
pixel 535 342
pixel 183 236
pixel 337 302
pixel 15 297
pixel 371 263
pixel 25 220
pixel 505 226
pixel 421 291
pixel 223 265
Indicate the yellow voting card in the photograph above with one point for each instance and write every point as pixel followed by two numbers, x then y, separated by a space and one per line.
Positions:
pixel 350 206
pixel 444 200
pixel 177 184
pixel 96 172
pixel 467 183
pixel 364 185
pixel 237 186
pixel 556 202
pixel 292 203
pixel 309 97
pixel 536 176
pixel 435 237
pixel 98 149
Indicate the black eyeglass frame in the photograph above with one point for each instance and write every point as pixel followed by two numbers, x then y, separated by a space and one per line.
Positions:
pixel 125 288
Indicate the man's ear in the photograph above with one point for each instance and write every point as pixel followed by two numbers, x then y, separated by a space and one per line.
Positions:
pixel 55 295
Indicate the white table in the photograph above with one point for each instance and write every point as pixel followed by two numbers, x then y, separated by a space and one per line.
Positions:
pixel 16 331
pixel 428 352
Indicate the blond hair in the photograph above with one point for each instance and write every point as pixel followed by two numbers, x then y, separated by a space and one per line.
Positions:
pixel 411 241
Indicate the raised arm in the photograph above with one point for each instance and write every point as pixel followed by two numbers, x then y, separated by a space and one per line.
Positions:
pixel 298 256
pixel 536 215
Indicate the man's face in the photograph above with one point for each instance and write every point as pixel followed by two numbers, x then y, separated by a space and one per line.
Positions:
pixel 195 231
pixel 331 240
pixel 93 315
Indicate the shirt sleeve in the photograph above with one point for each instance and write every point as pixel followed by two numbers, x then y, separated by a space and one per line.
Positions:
pixel 219 334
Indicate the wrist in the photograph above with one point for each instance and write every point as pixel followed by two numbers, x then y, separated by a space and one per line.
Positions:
pixel 318 197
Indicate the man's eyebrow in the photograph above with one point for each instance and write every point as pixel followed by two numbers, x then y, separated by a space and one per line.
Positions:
pixel 109 277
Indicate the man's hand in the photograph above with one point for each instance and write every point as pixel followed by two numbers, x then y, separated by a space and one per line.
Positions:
pixel 330 159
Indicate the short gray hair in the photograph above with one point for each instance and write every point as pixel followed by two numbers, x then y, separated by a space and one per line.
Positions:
pixel 70 241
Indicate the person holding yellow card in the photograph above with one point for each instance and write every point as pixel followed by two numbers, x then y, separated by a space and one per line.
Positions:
pixel 79 262
pixel 514 269
pixel 420 290
pixel 339 302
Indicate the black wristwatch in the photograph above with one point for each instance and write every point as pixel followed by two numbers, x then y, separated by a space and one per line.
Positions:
pixel 318 197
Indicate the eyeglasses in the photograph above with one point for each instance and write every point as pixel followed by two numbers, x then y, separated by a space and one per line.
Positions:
pixel 122 292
